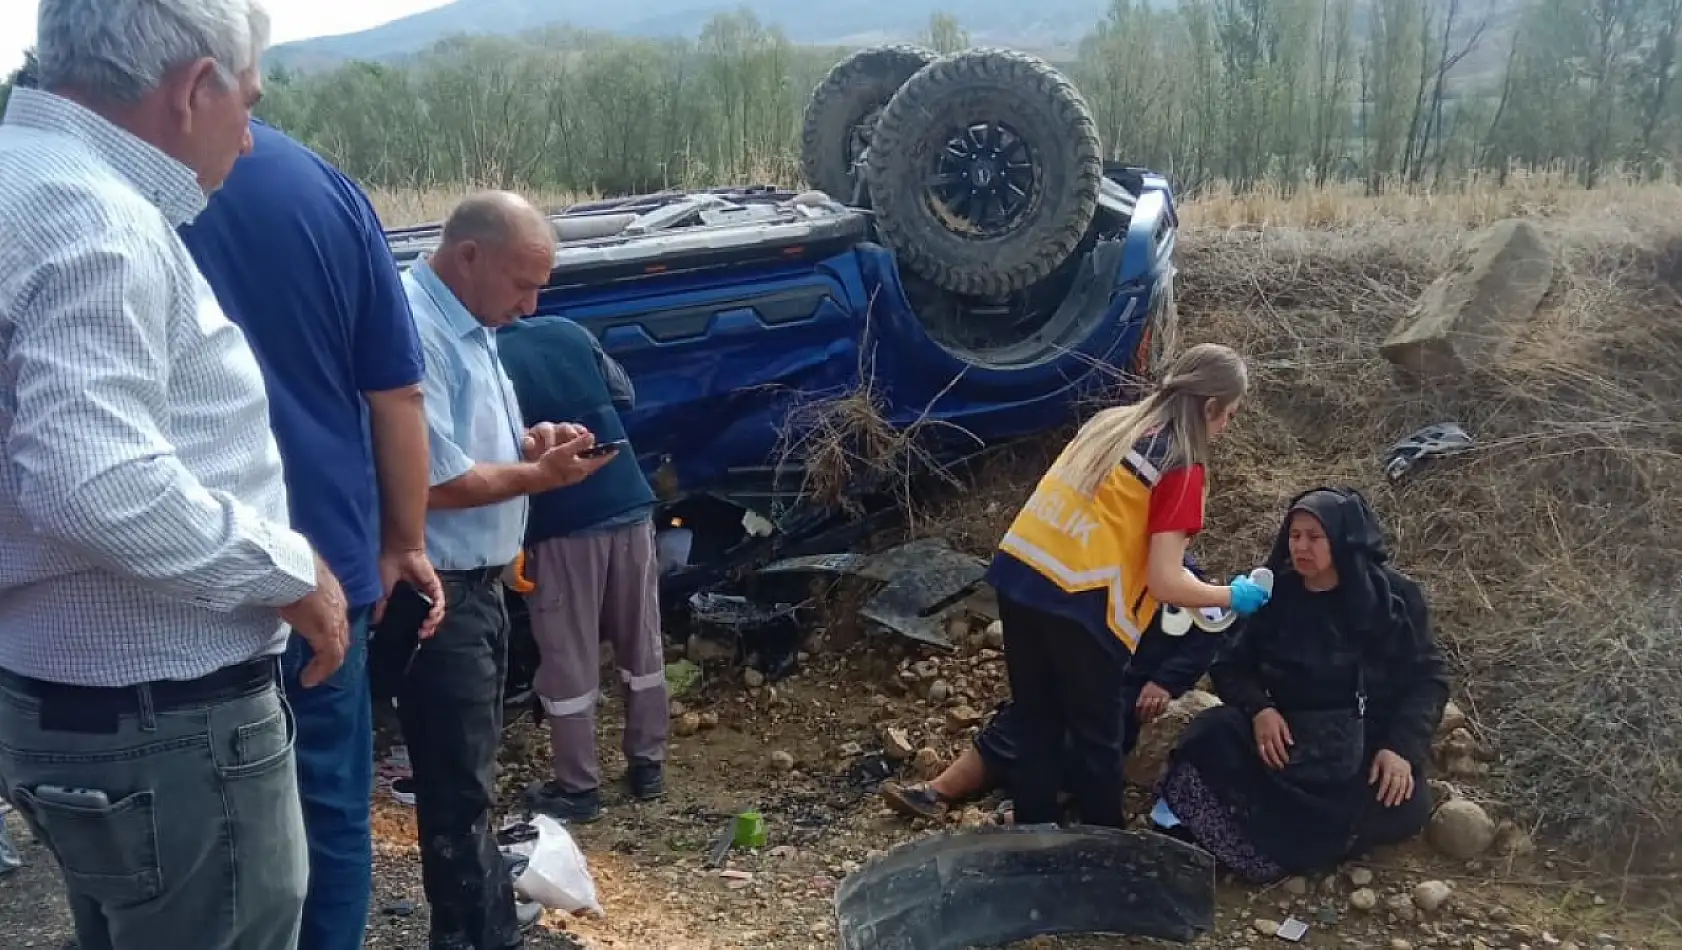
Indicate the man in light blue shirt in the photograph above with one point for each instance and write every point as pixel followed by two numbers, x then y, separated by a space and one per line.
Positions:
pixel 471 410
pixel 495 255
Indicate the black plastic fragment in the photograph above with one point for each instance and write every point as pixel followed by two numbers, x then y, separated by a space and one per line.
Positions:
pixel 925 579
pixel 922 581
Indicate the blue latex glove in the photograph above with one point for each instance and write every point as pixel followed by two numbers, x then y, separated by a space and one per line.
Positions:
pixel 1247 596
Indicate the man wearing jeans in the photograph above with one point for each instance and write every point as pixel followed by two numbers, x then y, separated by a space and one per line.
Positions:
pixel 295 254
pixel 495 254
pixel 146 567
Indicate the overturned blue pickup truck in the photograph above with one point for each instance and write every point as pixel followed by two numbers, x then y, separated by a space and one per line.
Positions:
pixel 966 258
pixel 970 268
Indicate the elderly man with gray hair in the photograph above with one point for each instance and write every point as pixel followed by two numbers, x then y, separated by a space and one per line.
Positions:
pixel 147 570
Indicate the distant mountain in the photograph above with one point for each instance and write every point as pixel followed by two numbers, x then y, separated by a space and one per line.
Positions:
pixel 1045 25
pixel 1051 28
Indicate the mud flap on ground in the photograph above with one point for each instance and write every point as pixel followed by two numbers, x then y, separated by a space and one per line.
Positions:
pixel 990 887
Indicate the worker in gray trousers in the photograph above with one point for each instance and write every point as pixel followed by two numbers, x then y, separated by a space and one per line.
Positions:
pixel 592 559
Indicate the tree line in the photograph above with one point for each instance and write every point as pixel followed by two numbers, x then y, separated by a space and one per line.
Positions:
pixel 1245 92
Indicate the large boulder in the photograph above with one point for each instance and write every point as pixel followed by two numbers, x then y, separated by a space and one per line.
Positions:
pixel 1461 829
pixel 1150 755
pixel 1459 323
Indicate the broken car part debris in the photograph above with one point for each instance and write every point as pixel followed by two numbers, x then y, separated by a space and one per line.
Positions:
pixel 1434 441
pixel 989 887
pixel 924 583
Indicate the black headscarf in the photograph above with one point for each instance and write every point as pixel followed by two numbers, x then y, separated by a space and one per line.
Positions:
pixel 1365 594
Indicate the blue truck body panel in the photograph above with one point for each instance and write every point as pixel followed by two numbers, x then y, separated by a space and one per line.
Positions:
pixel 720 357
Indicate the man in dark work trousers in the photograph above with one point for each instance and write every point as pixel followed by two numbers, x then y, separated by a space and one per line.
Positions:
pixel 495 254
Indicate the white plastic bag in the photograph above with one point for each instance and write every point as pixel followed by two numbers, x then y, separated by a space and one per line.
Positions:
pixel 557 876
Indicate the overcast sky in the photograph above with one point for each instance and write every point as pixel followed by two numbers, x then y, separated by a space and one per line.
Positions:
pixel 293 20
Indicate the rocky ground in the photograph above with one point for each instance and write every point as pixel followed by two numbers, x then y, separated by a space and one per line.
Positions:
pixel 801 752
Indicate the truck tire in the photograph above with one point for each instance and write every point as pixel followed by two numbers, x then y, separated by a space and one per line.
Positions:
pixel 984 171
pixel 841 115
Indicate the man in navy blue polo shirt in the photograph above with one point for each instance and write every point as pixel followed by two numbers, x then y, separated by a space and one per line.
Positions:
pixel 296 256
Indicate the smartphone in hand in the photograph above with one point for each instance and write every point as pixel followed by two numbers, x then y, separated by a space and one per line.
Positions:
pixel 603 448
pixel 398 632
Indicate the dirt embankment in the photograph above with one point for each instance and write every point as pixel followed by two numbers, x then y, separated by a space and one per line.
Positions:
pixel 1550 552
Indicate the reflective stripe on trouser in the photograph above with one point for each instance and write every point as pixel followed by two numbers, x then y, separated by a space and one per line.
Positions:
pixel 593 589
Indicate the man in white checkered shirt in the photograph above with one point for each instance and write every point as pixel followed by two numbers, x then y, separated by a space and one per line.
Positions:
pixel 146 564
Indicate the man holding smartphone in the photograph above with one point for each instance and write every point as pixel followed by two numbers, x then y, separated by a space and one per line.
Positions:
pixel 593 560
pixel 495 254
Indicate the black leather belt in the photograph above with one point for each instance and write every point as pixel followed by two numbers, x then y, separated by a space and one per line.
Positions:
pixel 473 575
pixel 95 709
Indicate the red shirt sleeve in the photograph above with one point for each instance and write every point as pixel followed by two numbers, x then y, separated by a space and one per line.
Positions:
pixel 1177 501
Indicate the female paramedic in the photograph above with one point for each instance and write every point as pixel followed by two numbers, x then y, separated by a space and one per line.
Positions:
pixel 1083 568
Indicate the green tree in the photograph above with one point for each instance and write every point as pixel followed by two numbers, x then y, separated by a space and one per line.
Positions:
pixel 1329 93
pixel 1395 47
pixel 944 34
pixel 1241 92
pixel 1652 82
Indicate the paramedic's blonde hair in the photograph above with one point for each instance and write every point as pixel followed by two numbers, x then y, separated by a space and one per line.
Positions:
pixel 1204 372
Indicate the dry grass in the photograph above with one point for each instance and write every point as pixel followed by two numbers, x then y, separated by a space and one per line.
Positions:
pixel 1550 553
pixel 1471 203
pixel 844 445
pixel 399 208
pixel 402 207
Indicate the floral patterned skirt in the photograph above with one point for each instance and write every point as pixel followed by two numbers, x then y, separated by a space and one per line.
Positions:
pixel 1214 826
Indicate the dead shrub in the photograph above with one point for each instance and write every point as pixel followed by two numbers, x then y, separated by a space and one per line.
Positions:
pixel 843 445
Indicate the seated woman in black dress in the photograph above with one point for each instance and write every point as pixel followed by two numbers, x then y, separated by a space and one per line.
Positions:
pixel 1331 694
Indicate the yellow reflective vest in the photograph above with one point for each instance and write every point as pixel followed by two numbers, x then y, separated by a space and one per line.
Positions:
pixel 1094 545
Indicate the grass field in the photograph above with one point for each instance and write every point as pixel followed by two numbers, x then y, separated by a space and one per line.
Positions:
pixel 1471 204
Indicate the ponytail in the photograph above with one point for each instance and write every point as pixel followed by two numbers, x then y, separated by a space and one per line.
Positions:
pixel 1178 407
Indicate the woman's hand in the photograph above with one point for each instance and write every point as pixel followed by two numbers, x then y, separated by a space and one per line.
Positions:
pixel 1247 596
pixel 1393 776
pixel 1153 702
pixel 1168 580
pixel 1273 738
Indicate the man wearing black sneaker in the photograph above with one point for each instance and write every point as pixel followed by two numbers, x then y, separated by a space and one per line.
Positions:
pixel 592 559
